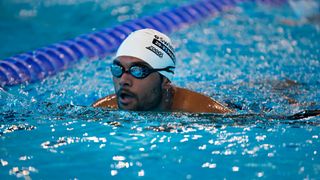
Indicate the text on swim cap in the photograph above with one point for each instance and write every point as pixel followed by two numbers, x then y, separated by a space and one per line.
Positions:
pixel 165 49
pixel 165 46
pixel 155 50
pixel 164 42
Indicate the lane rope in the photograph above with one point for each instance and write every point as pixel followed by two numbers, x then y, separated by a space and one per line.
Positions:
pixel 49 60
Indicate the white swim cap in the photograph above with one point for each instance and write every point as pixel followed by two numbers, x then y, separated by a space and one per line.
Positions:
pixel 151 46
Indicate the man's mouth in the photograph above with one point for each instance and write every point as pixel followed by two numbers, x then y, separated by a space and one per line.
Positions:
pixel 125 97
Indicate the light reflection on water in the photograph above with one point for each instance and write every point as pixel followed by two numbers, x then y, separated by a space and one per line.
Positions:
pixel 244 58
pixel 139 144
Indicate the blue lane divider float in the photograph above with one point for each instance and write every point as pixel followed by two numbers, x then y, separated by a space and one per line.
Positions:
pixel 47 61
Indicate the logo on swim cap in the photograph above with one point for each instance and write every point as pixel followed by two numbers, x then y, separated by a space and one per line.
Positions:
pixel 155 50
pixel 151 46
pixel 165 48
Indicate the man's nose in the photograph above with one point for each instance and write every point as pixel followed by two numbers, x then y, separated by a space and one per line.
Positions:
pixel 126 80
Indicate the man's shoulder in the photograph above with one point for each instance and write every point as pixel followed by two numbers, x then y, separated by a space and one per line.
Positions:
pixel 109 101
pixel 190 101
pixel 184 100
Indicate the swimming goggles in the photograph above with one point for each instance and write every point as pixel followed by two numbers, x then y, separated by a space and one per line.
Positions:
pixel 138 71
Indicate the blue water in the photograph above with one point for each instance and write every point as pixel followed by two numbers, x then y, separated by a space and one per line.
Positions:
pixel 246 58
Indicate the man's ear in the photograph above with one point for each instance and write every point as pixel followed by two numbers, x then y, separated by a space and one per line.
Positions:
pixel 166 84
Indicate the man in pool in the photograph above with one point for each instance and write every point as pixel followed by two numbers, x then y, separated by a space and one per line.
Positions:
pixel 142 72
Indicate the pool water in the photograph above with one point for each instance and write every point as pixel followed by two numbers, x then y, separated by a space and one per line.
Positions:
pixel 246 58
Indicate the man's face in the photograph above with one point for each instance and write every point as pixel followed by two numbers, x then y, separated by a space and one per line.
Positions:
pixel 137 94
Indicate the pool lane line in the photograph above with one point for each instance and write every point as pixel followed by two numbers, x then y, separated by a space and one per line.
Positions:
pixel 303 114
pixel 49 60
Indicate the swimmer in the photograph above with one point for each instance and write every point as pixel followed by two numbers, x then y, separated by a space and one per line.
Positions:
pixel 142 71
pixel 308 11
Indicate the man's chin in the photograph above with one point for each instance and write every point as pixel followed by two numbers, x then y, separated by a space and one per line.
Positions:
pixel 128 107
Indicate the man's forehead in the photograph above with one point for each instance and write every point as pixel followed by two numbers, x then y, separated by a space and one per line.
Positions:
pixel 129 60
